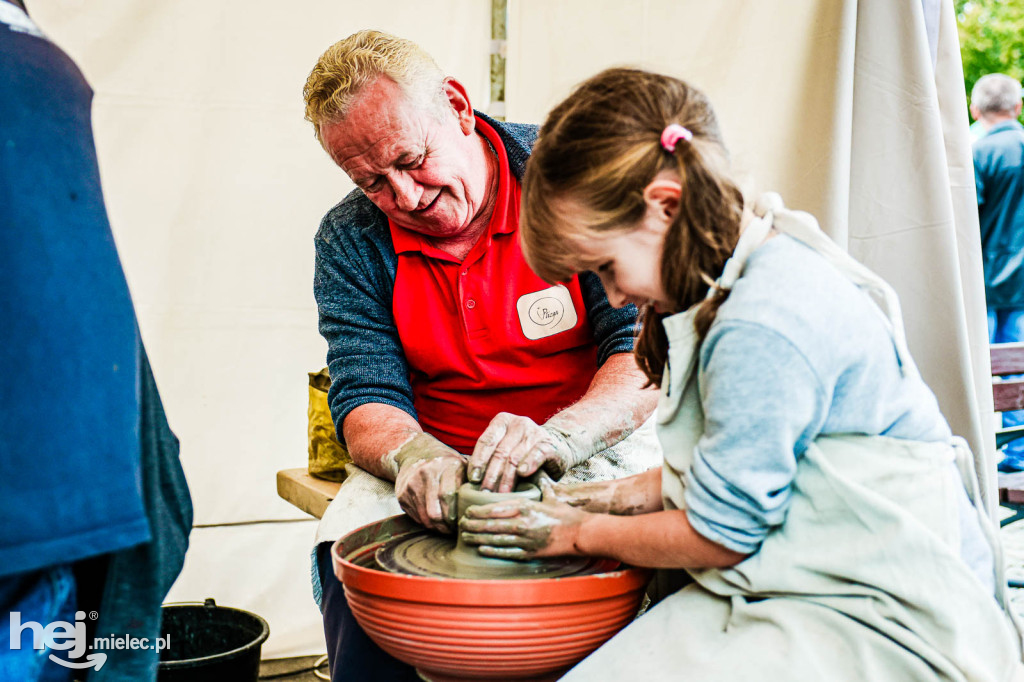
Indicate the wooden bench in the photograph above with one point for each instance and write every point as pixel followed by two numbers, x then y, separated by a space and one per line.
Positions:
pixel 308 493
pixel 1007 395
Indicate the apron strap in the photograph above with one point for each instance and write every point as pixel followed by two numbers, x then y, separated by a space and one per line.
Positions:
pixel 802 226
pixel 752 237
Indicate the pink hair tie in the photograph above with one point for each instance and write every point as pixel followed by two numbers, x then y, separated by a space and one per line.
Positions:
pixel 672 134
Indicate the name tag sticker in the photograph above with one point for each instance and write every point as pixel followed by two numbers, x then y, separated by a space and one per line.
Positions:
pixel 546 312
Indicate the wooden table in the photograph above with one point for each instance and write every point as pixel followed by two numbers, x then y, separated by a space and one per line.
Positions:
pixel 308 493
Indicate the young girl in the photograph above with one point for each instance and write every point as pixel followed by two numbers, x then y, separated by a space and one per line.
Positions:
pixel 811 486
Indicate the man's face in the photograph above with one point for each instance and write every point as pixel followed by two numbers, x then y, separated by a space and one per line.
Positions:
pixel 421 167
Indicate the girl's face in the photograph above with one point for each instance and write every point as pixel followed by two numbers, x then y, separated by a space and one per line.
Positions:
pixel 629 260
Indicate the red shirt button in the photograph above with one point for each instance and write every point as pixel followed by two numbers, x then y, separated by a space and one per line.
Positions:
pixel 470 304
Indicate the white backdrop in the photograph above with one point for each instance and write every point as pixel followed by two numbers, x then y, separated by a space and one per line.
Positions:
pixel 215 186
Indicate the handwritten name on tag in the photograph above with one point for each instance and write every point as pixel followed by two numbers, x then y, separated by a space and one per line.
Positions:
pixel 546 313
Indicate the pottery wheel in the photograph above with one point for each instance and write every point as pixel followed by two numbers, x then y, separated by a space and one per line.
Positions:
pixel 428 554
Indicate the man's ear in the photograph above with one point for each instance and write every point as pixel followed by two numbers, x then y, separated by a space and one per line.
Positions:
pixel 662 196
pixel 458 99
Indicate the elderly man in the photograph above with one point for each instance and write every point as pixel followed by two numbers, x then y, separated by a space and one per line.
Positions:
pixel 999 175
pixel 442 343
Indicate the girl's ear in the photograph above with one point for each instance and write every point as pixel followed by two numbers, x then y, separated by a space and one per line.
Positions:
pixel 662 198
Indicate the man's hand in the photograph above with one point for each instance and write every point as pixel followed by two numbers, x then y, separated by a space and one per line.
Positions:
pixel 513 446
pixel 523 529
pixel 428 474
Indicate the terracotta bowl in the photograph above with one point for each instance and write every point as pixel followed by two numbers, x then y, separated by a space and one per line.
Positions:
pixel 451 629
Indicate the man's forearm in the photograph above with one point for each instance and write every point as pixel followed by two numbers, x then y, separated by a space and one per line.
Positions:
pixel 639 494
pixel 372 431
pixel 614 406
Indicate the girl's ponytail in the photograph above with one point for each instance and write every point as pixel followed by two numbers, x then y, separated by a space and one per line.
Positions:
pixel 698 243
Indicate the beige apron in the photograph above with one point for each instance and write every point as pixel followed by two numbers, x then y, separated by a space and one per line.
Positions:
pixel 862 582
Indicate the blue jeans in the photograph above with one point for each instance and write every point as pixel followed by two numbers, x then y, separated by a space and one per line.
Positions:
pixel 1006 325
pixel 350 651
pixel 43 597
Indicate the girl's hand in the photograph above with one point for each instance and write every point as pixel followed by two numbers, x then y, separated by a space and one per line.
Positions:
pixel 523 529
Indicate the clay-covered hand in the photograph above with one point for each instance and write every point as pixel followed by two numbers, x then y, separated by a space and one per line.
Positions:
pixel 513 446
pixel 619 496
pixel 560 493
pixel 428 474
pixel 523 529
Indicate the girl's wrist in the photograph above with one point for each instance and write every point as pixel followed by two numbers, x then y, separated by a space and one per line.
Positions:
pixel 586 533
pixel 564 538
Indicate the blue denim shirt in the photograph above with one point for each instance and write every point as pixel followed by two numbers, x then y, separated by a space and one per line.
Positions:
pixel 88 463
pixel 999 176
pixel 70 483
pixel 353 283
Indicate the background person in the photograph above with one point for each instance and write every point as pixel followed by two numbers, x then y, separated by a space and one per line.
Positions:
pixel 94 505
pixel 810 485
pixel 442 344
pixel 999 177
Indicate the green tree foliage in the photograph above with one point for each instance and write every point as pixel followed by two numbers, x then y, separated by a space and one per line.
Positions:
pixel 991 38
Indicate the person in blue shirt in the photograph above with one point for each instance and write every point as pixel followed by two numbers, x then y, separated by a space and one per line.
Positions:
pixel 94 508
pixel 999 175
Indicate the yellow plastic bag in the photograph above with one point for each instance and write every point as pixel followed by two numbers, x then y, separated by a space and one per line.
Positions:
pixel 327 456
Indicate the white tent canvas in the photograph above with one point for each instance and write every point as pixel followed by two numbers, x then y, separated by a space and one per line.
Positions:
pixel 215 187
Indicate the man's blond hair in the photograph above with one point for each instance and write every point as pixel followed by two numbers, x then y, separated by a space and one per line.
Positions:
pixel 353 63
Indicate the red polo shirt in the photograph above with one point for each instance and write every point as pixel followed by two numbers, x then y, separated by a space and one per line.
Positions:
pixel 486 335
